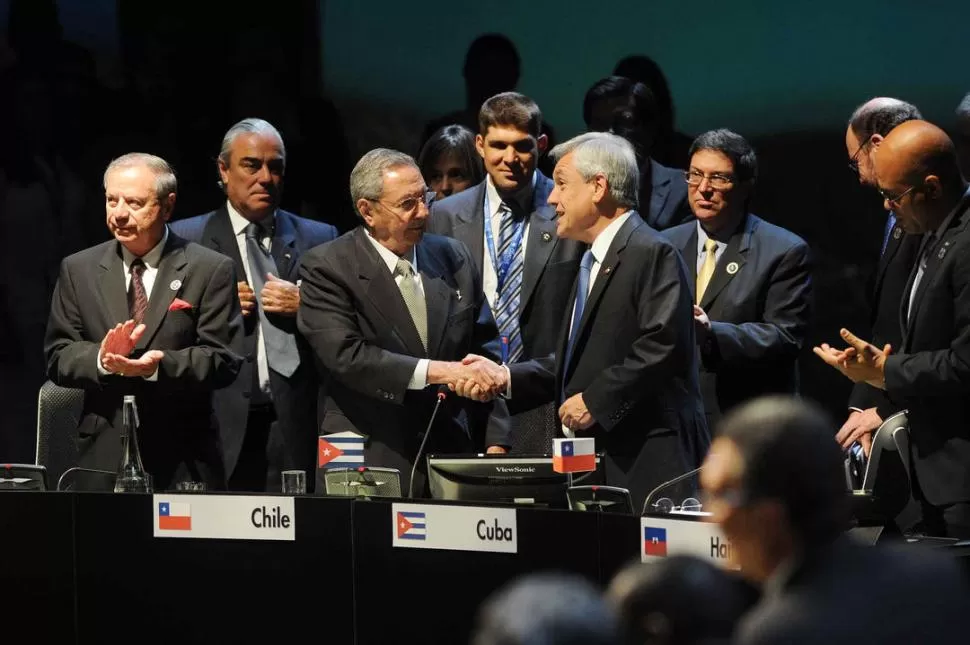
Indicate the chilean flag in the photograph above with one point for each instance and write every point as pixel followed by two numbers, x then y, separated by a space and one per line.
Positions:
pixel 655 541
pixel 174 516
pixel 573 455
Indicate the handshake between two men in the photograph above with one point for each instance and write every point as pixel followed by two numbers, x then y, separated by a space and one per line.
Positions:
pixel 474 377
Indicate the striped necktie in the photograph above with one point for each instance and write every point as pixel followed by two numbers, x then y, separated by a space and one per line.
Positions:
pixel 509 283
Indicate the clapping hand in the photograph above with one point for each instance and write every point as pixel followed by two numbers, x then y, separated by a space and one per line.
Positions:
pixel 861 361
pixel 117 346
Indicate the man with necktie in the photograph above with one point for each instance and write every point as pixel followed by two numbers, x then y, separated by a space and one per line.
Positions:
pixel 268 415
pixel 752 280
pixel 869 125
pixel 626 372
pixel 391 312
pixel 928 374
pixel 152 315
pixel 525 269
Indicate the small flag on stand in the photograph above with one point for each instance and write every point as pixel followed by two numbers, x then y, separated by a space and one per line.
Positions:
pixel 573 455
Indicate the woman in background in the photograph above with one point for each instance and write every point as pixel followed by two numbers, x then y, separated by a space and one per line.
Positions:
pixel 449 161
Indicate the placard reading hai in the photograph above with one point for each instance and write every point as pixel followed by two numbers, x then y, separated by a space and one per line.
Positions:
pixel 660 537
pixel 225 517
pixel 454 528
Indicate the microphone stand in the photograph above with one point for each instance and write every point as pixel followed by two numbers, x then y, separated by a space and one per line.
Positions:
pixel 442 394
pixel 675 480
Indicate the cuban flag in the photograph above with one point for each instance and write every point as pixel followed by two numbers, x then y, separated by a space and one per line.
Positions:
pixel 340 450
pixel 174 516
pixel 655 541
pixel 411 526
pixel 573 455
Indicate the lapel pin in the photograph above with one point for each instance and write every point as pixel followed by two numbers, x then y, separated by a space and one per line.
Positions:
pixel 732 268
pixel 458 294
pixel 546 236
pixel 897 233
pixel 606 270
pixel 943 250
pixel 175 285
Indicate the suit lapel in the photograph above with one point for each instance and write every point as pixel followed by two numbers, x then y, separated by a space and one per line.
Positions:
pixel 606 271
pixel 284 244
pixel 171 273
pixel 689 252
pixel 542 239
pixel 892 246
pixel 385 295
pixel 219 236
pixel 111 285
pixel 437 296
pixel 470 227
pixel 731 262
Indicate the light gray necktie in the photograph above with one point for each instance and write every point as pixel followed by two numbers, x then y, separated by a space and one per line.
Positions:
pixel 414 299
pixel 281 352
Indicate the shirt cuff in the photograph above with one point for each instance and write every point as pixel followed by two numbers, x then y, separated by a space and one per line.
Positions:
pixel 508 381
pixel 419 380
pixel 154 375
pixel 855 409
pixel 101 370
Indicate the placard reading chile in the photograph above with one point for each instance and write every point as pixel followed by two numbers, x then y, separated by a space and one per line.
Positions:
pixel 224 517
pixel 454 528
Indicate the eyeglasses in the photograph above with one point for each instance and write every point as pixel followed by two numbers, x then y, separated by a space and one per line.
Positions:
pixel 895 199
pixel 854 161
pixel 717 181
pixel 410 205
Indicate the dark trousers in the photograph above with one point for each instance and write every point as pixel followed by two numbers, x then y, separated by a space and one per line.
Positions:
pixel 256 471
pixel 952 520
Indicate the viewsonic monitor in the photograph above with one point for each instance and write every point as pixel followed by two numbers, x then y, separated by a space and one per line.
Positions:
pixel 520 479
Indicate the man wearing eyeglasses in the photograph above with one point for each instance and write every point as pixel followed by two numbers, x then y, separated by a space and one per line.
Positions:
pixel 390 311
pixel 928 374
pixel 868 126
pixel 267 417
pixel 751 280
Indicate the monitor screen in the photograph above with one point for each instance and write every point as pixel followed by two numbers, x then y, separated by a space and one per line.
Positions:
pixel 520 479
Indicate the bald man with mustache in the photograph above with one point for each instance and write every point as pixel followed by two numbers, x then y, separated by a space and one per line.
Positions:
pixel 929 373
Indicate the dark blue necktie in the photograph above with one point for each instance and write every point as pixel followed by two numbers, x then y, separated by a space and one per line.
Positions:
pixel 582 292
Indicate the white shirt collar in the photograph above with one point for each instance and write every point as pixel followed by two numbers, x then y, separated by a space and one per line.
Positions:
pixel 603 241
pixel 390 257
pixel 239 223
pixel 495 200
pixel 151 259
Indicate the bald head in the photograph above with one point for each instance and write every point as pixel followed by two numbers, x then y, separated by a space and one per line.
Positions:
pixel 917 172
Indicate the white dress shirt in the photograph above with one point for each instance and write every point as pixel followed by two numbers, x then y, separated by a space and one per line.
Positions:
pixel 599 248
pixel 239 224
pixel 151 260
pixel 419 379
pixel 494 202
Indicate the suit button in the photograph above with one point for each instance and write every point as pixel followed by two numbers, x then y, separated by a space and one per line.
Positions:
pixel 249 359
pixel 246 395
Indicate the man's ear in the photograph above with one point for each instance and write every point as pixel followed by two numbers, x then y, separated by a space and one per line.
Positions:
pixel 364 208
pixel 480 145
pixel 600 187
pixel 542 143
pixel 223 173
pixel 168 206
pixel 932 187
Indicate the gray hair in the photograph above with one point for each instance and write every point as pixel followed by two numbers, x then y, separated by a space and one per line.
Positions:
pixel 963 110
pixel 249 126
pixel 367 177
pixel 165 181
pixel 607 154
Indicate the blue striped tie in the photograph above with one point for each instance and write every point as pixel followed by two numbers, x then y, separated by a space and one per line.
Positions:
pixel 579 304
pixel 510 286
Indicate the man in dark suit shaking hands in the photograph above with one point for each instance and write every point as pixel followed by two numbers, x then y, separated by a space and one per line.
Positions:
pixel 626 369
pixel 267 417
pixel 390 311
pixel 173 339
pixel 751 280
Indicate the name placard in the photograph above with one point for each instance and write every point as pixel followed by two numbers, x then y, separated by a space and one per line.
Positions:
pixel 224 517
pixel 454 528
pixel 660 537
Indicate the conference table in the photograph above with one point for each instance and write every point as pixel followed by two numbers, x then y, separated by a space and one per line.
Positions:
pixel 87 568
pixel 90 568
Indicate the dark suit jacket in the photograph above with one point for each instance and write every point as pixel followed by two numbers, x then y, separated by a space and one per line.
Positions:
pixel 178 437
pixel 353 316
pixel 293 436
pixel 663 191
pixel 635 363
pixel 759 314
pixel 888 284
pixel 847 594
pixel 930 374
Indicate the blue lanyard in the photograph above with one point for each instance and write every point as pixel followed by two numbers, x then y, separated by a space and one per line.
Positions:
pixel 501 266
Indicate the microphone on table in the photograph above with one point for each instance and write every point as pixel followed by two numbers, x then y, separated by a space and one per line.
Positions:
pixel 442 394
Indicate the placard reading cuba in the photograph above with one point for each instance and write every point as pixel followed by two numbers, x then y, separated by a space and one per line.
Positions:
pixel 454 528
pixel 224 517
